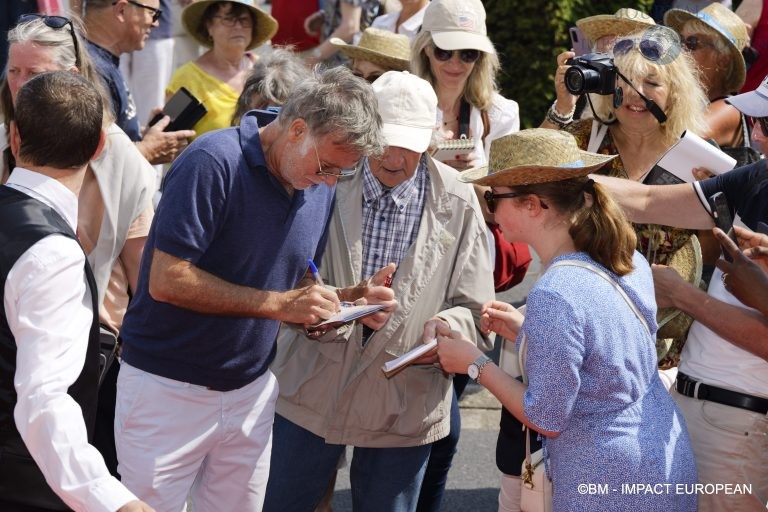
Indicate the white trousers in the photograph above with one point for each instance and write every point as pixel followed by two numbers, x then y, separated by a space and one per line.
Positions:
pixel 176 440
pixel 509 493
pixel 731 447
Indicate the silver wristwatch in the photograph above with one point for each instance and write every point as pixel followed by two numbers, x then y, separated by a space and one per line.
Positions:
pixel 475 369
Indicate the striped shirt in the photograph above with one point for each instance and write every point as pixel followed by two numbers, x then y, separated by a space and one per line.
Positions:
pixel 391 217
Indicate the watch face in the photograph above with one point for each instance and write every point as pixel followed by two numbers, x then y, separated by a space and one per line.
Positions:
pixel 472 371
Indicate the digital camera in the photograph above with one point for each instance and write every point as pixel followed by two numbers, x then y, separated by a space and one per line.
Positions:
pixel 594 72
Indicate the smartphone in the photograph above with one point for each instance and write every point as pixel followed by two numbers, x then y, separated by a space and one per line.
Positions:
pixel 579 42
pixel 723 219
pixel 180 102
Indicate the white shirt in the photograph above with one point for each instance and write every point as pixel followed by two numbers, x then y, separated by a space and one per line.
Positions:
pixel 712 359
pixel 409 27
pixel 48 307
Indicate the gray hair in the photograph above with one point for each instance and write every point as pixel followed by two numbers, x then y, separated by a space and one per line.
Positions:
pixel 336 101
pixel 270 82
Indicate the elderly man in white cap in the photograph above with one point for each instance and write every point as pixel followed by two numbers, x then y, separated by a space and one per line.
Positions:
pixel 412 212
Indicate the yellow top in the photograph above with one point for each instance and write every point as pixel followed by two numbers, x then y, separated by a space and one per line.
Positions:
pixel 219 98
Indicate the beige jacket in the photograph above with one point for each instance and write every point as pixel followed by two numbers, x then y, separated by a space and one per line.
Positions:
pixel 337 389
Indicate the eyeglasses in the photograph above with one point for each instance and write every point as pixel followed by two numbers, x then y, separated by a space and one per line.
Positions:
pixel 56 22
pixel 650 49
pixel 466 56
pixel 491 198
pixel 340 174
pixel 368 78
pixel 231 21
pixel 695 42
pixel 763 121
pixel 155 11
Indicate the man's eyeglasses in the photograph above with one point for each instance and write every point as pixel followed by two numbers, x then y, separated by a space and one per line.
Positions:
pixel 155 11
pixel 763 121
pixel 466 56
pixel 491 198
pixel 368 78
pixel 694 42
pixel 648 48
pixel 56 22
pixel 340 174
pixel 231 21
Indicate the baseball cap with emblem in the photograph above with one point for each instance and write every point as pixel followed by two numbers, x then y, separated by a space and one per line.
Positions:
pixel 408 109
pixel 457 25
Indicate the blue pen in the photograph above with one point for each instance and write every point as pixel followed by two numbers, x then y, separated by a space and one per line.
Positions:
pixel 315 273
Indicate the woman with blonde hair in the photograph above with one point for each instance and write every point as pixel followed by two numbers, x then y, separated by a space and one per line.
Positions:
pixel 453 53
pixel 587 337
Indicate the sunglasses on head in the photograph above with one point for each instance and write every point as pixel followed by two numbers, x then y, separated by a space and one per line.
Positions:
pixel 466 56
pixel 55 22
pixel 648 48
pixel 693 43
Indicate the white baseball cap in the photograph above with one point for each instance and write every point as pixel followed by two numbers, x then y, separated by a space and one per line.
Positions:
pixel 457 25
pixel 408 109
pixel 753 103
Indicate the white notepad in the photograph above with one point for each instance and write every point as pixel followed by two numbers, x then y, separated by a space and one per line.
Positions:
pixel 390 368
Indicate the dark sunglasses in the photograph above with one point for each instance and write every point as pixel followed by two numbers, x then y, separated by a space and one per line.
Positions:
pixel 763 124
pixel 466 56
pixel 155 11
pixel 370 78
pixel 693 43
pixel 648 48
pixel 55 22
pixel 491 198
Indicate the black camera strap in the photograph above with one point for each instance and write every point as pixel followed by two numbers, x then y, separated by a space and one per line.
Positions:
pixel 464 110
pixel 651 105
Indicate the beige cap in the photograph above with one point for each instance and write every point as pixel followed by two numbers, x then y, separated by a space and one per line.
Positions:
pixel 408 109
pixel 457 25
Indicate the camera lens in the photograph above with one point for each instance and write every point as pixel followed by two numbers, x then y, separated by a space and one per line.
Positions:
pixel 579 80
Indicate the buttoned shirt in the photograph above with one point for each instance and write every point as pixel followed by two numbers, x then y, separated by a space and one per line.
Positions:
pixel 48 307
pixel 409 27
pixel 391 217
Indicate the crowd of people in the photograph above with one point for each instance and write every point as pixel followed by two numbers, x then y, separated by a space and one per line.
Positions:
pixel 182 335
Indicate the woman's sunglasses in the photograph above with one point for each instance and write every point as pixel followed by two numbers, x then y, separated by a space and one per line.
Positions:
pixel 648 48
pixel 466 56
pixel 491 199
pixel 368 78
pixel 55 22
pixel 693 43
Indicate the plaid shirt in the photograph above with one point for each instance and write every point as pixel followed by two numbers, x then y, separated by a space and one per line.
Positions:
pixel 391 217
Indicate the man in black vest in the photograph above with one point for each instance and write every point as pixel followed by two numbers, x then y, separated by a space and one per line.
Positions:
pixel 49 351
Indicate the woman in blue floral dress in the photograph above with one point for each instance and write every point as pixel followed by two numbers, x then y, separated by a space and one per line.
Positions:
pixel 615 438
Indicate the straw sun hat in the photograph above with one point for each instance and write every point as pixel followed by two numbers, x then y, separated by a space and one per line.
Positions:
pixel 732 29
pixel 624 21
pixel 381 47
pixel 536 155
pixel 264 25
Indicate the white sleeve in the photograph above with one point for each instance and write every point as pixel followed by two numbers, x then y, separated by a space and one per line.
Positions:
pixel 48 307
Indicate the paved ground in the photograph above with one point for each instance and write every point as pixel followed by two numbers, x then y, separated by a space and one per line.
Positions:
pixel 473 480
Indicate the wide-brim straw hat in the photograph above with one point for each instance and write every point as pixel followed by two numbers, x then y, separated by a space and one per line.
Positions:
pixel 536 155
pixel 381 47
pixel 688 262
pixel 732 29
pixel 264 25
pixel 625 21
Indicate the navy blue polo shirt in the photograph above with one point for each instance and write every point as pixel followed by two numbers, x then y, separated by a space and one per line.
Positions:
pixel 746 190
pixel 123 107
pixel 223 211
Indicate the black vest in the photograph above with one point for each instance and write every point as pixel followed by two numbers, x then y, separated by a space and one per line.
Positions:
pixel 23 222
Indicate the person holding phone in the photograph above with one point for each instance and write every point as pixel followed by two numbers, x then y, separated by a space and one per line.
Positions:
pixel 722 384
pixel 744 277
pixel 229 29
